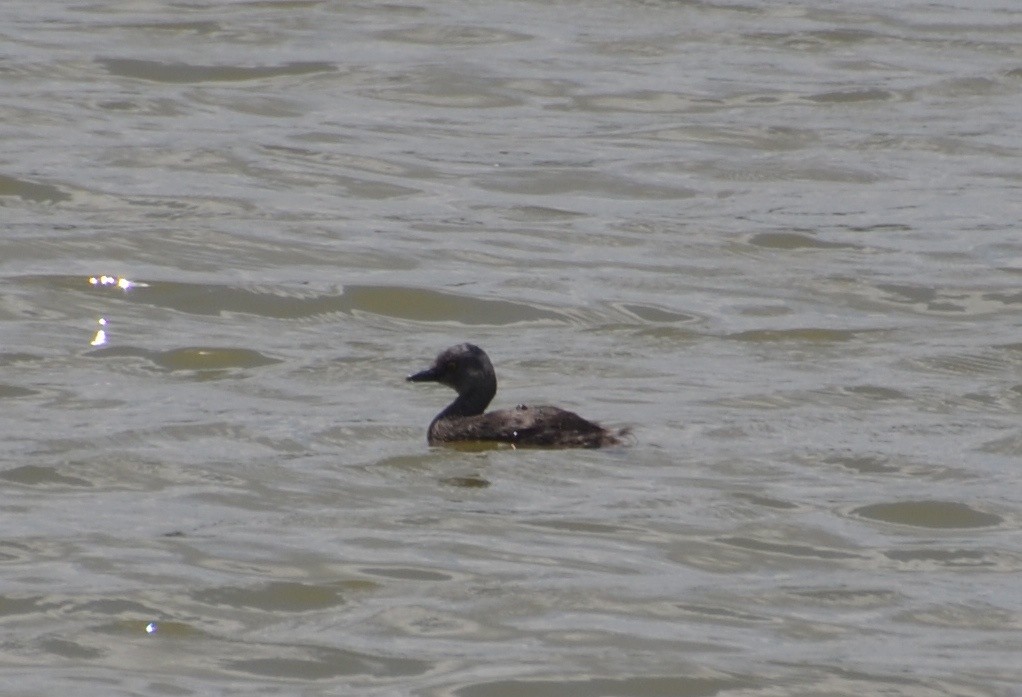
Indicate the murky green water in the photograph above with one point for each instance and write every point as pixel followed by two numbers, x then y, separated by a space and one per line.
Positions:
pixel 779 242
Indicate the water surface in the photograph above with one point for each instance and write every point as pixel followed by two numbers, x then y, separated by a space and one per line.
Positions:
pixel 780 242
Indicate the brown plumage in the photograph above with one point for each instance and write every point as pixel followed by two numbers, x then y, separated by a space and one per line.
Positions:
pixel 467 370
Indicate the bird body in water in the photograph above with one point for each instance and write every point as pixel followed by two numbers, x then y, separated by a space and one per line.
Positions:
pixel 467 370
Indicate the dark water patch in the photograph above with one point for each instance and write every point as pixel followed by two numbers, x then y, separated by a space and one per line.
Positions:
pixel 642 101
pixel 452 90
pixel 879 227
pixel 929 514
pixel 31 191
pixel 795 240
pixel 953 301
pixel 654 314
pixel 553 181
pixel 767 502
pixel 790 40
pixel 202 28
pixel 910 294
pixel 435 306
pixel 789 550
pixel 11 391
pixel 812 335
pixel 14 606
pixel 200 358
pixel 397 302
pixel 429 622
pixel 845 35
pixel 864 464
pixel 481 446
pixel 319 663
pixel 715 614
pixel 203 299
pixel 966 364
pixel 1008 445
pixel 818 679
pixel 644 686
pixel 406 573
pixel 275 597
pixel 64 648
pixel 853 96
pixel 467 482
pixel 666 334
pixel 36 475
pixel 1004 298
pixel 540 214
pixel 191 358
pixel 116 606
pixel 922 558
pixel 846 597
pixel 971 615
pixel 448 35
pixel 877 393
pixel 579 526
pixel 157 71
pixel 14 358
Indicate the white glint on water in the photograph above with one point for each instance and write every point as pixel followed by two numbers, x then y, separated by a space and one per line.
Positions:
pixel 118 281
pixel 100 338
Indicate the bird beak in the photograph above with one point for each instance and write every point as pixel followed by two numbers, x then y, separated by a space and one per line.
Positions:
pixel 427 375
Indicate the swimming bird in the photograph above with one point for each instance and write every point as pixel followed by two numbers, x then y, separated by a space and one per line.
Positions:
pixel 467 370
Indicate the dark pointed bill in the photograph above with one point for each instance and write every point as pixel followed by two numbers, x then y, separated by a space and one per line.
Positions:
pixel 427 375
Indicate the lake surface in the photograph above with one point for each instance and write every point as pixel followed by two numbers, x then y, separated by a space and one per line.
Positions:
pixel 779 241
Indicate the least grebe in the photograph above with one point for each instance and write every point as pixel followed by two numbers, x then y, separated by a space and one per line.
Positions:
pixel 467 370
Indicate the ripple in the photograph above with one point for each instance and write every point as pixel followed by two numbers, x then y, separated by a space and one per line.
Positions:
pixel 929 514
pixel 70 650
pixel 437 88
pixel 397 302
pixel 976 616
pixel 211 360
pixel 654 314
pixel 919 559
pixel 321 663
pixel 14 606
pixel 942 302
pixel 553 181
pixel 202 358
pixel 406 573
pixel 965 364
pixel 715 614
pixel 815 335
pixel 456 35
pixel 795 240
pixel 422 621
pixel 849 597
pixel 158 71
pixel 643 686
pixel 9 391
pixel 467 482
pixel 31 191
pixel 865 464
pixel 877 393
pixel 435 306
pixel 790 550
pixel 35 475
pixel 275 597
pixel 852 96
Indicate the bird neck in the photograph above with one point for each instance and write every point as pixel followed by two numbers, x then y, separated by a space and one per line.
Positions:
pixel 471 402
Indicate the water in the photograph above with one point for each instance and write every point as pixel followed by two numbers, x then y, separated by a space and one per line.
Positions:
pixel 780 241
